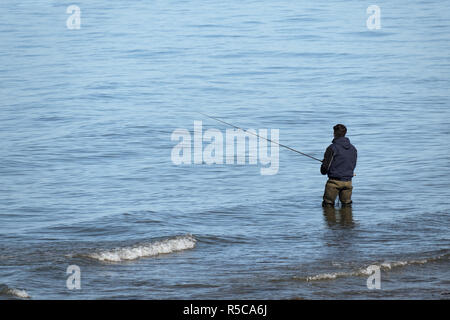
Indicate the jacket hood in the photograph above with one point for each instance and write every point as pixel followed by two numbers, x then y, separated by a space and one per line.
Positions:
pixel 342 141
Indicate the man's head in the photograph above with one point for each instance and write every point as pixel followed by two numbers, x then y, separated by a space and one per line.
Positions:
pixel 339 130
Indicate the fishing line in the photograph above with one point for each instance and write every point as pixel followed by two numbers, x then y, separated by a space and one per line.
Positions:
pixel 281 145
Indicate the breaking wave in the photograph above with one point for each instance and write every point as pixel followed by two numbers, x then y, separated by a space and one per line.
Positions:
pixel 145 250
pixel 12 292
pixel 366 271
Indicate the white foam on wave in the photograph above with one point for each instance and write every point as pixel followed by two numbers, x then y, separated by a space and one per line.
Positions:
pixel 390 265
pixel 146 250
pixel 19 293
pixel 366 270
pixel 326 276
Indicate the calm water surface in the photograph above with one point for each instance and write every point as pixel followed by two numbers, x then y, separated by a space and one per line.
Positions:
pixel 85 139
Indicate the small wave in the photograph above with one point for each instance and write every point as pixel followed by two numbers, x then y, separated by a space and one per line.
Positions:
pixel 367 270
pixel 326 276
pixel 19 293
pixel 145 250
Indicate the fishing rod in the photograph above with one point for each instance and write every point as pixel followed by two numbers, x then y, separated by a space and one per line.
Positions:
pixel 281 145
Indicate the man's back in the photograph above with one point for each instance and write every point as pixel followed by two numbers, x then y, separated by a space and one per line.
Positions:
pixel 340 160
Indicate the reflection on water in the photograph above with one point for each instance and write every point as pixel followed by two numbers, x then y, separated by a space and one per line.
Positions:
pixel 339 216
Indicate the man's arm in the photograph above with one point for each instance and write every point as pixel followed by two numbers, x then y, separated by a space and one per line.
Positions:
pixel 326 162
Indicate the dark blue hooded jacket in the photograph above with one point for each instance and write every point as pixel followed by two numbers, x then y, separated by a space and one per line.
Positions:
pixel 339 160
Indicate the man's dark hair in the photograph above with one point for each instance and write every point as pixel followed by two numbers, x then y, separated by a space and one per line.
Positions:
pixel 339 130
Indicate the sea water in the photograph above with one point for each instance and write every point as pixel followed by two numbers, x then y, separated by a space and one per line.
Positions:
pixel 87 179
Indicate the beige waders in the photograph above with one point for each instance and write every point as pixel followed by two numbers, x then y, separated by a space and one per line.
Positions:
pixel 333 188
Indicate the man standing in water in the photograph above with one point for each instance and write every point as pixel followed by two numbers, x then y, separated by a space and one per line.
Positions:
pixel 339 162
